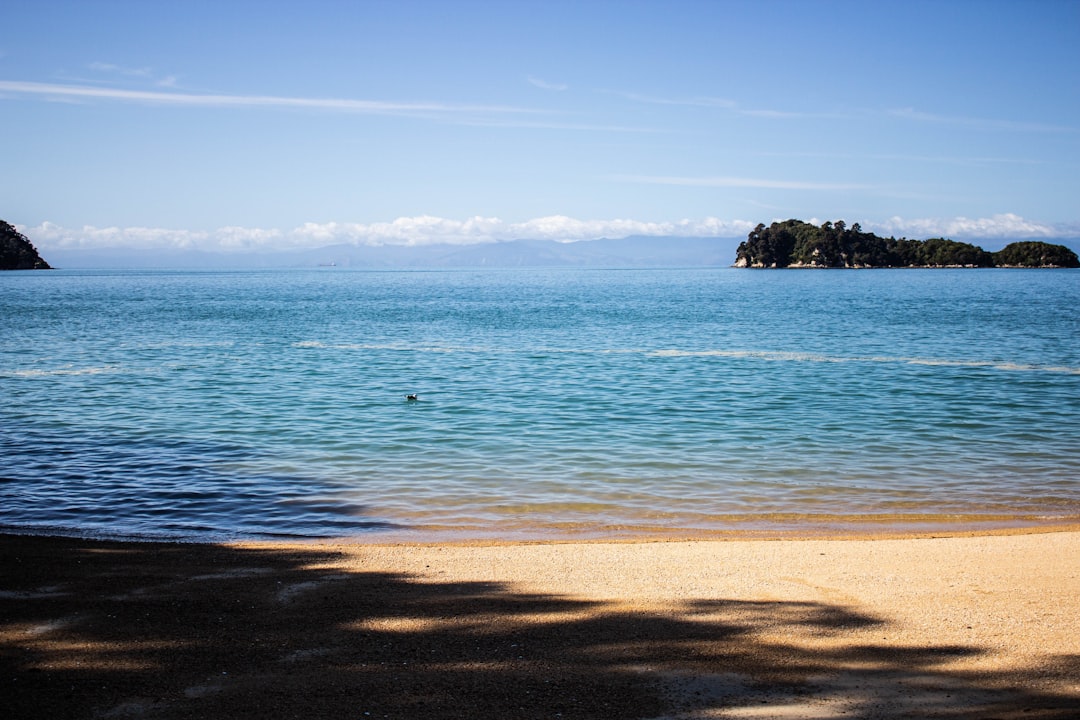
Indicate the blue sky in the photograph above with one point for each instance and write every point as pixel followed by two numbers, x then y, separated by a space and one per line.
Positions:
pixel 280 124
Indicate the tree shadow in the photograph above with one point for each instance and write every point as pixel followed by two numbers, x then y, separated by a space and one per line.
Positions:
pixel 149 630
pixel 165 490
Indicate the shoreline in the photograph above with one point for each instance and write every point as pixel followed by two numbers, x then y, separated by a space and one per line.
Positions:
pixel 849 528
pixel 964 626
pixel 871 530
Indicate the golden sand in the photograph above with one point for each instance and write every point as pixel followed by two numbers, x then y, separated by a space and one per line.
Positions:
pixel 953 627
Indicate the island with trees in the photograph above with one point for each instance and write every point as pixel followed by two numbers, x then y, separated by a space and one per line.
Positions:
pixel 16 252
pixel 798 244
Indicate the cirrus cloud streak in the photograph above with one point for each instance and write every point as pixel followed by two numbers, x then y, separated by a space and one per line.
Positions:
pixel 736 182
pixel 89 92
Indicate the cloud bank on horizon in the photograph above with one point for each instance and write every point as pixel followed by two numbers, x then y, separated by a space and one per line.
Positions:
pixel 428 230
pixel 301 125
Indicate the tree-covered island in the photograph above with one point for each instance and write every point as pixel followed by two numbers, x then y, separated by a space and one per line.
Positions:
pixel 798 244
pixel 16 252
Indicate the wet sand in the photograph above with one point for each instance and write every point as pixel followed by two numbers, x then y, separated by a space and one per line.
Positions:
pixel 954 627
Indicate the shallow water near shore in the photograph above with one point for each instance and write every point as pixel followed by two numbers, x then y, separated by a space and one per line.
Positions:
pixel 550 402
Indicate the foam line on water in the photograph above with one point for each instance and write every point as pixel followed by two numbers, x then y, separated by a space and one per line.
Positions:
pixel 57 372
pixel 767 355
pixel 817 358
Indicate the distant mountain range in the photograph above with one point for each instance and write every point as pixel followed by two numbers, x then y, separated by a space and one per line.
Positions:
pixel 637 251
pixel 624 252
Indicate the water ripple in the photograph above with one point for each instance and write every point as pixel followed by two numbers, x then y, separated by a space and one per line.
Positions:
pixel 273 404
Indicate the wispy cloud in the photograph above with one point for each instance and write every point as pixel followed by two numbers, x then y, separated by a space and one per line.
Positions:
pixel 510 121
pixel 898 157
pixel 545 85
pixel 707 102
pixel 496 116
pixel 141 73
pixel 979 123
pixel 375 107
pixel 736 182
pixel 732 106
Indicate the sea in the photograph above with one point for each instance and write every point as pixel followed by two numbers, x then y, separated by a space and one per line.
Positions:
pixel 556 404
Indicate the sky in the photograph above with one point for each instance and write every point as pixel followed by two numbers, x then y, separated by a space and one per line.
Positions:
pixel 269 125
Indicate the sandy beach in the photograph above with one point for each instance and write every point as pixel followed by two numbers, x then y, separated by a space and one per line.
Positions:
pixel 946 627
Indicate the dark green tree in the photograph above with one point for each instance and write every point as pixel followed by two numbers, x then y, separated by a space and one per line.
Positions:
pixel 940 252
pixel 1036 254
pixel 16 251
pixel 835 245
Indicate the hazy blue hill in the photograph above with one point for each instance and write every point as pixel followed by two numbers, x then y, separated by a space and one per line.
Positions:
pixel 623 252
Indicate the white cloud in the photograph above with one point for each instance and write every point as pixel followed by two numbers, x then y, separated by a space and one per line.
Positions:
pixel 420 230
pixel 50 235
pixel 566 229
pixel 427 230
pixel 241 238
pixel 413 231
pixel 1006 225
pixel 431 230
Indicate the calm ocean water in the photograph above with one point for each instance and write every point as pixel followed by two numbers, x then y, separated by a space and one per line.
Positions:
pixel 559 403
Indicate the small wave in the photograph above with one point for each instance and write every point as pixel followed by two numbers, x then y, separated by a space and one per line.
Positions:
pixel 812 357
pixel 198 344
pixel 750 354
pixel 397 347
pixel 60 371
pixel 993 365
pixel 766 355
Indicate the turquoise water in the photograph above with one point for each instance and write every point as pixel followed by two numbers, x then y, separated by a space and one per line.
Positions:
pixel 551 403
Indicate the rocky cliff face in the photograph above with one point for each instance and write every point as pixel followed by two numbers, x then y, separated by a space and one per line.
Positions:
pixel 16 252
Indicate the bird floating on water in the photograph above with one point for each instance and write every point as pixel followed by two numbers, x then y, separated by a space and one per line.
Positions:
pixel 411 396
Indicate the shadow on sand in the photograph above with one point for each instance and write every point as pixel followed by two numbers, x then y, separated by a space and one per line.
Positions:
pixel 142 630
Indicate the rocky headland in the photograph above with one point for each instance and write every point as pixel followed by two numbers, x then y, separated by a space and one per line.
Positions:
pixel 17 252
pixel 798 244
